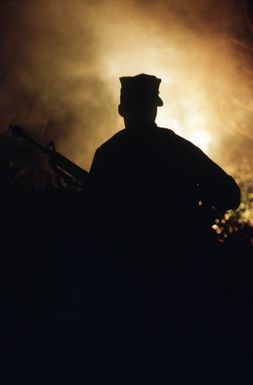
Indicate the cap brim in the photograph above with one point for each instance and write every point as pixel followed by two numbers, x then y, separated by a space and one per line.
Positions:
pixel 159 101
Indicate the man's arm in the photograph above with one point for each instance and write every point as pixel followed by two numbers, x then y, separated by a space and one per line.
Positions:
pixel 217 187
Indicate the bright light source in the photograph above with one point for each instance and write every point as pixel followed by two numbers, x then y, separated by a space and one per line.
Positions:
pixel 200 139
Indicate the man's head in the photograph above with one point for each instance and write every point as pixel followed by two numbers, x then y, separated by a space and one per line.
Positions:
pixel 139 100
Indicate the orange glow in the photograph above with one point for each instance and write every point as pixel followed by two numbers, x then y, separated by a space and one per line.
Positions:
pixel 201 139
pixel 64 83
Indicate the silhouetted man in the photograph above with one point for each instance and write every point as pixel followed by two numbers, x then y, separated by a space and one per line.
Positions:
pixel 149 182
pixel 146 185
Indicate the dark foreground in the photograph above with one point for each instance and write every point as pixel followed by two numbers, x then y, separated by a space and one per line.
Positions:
pixel 69 315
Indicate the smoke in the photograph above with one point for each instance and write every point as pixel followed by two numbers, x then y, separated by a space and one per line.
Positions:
pixel 60 63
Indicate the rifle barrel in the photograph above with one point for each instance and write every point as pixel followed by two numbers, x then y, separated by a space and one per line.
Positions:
pixel 59 162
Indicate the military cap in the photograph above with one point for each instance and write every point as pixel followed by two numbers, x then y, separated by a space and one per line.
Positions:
pixel 140 89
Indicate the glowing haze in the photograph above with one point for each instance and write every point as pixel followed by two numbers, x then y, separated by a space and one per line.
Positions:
pixel 61 62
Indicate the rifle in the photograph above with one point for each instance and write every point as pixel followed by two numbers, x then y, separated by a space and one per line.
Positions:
pixel 72 173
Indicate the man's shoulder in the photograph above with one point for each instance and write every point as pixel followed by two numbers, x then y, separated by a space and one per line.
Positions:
pixel 166 132
pixel 112 144
pixel 120 135
pixel 115 138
